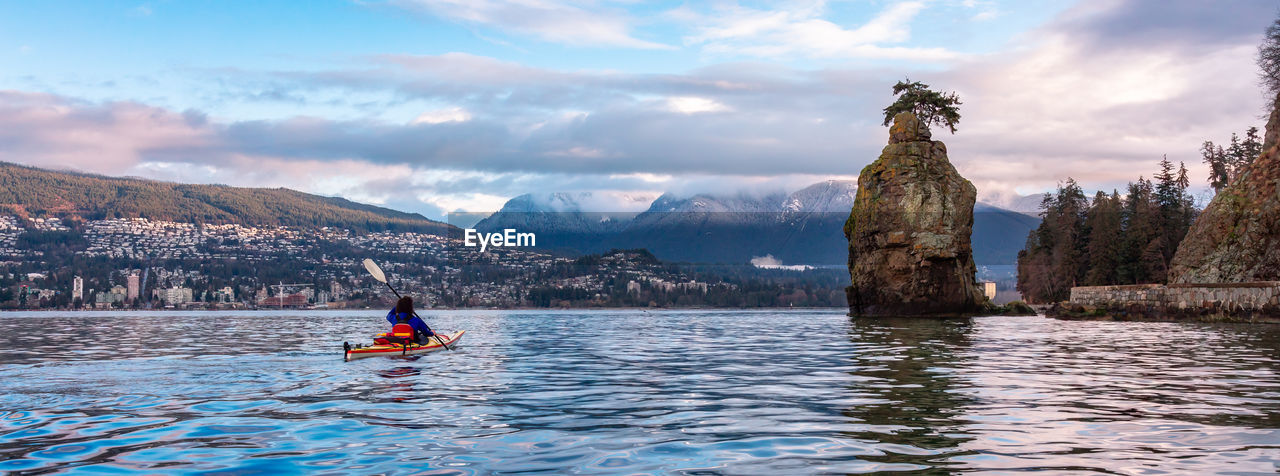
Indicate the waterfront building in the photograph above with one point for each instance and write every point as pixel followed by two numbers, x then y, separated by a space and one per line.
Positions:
pixel 177 296
pixel 134 288
pixel 104 300
pixel 77 289
pixel 989 289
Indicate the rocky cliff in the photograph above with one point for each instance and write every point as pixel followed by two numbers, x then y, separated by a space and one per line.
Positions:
pixel 1237 237
pixel 909 231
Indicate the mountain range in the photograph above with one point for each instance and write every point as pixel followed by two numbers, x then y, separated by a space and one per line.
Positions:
pixel 30 192
pixel 803 227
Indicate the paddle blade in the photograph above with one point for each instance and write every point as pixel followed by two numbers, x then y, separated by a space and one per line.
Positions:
pixel 374 270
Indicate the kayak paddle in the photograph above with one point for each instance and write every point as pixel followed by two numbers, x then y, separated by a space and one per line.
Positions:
pixel 377 273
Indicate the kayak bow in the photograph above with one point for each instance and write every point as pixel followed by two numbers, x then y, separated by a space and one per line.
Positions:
pixel 358 351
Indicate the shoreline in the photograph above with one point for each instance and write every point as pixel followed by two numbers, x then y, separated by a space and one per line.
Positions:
pixel 703 308
pixel 1243 302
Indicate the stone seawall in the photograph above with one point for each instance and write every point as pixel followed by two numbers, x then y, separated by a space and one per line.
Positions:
pixel 1245 302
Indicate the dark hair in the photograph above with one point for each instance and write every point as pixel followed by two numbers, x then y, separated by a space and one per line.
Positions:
pixel 404 305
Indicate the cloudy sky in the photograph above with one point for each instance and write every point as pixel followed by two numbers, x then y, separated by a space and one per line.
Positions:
pixel 435 106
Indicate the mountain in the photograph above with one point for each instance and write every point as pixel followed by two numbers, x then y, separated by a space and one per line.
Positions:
pixel 554 213
pixel 828 196
pixel 30 192
pixel 803 227
pixel 999 234
pixel 1027 204
pixel 707 228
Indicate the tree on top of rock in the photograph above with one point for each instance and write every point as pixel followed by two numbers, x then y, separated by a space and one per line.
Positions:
pixel 931 107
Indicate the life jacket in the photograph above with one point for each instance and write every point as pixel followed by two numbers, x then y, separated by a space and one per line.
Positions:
pixel 401 333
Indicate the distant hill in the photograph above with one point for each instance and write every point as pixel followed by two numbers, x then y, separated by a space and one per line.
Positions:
pixel 1025 204
pixel 804 227
pixel 31 192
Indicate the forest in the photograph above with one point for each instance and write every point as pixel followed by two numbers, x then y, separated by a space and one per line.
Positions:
pixel 1120 238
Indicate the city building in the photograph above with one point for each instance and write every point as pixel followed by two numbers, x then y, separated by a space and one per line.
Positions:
pixel 226 294
pixel 77 289
pixel 176 296
pixel 989 289
pixel 134 288
pixel 106 299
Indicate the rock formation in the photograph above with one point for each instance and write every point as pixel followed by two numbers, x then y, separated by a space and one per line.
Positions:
pixel 909 231
pixel 1237 237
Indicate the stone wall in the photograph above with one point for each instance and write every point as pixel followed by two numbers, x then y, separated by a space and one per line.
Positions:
pixel 1255 301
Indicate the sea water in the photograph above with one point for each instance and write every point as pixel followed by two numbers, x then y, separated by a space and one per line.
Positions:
pixel 630 391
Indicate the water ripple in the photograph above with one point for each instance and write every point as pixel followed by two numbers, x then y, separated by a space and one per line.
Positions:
pixel 609 392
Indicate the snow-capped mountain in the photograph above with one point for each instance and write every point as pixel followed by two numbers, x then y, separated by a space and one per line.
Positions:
pixel 828 196
pixel 802 227
pixel 555 213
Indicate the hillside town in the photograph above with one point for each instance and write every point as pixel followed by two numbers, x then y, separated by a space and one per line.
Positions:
pixel 136 263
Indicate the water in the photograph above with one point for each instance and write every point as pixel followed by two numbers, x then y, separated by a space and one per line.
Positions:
pixel 632 392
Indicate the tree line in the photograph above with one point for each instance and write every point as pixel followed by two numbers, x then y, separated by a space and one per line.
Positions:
pixel 1111 239
pixel 1131 238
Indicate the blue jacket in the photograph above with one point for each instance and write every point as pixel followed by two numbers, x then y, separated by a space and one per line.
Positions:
pixel 418 326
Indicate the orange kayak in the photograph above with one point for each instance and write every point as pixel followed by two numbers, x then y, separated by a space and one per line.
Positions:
pixel 359 351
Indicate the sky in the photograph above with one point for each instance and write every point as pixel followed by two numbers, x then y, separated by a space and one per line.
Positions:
pixel 458 105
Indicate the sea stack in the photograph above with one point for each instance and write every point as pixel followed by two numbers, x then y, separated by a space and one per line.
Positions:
pixel 1237 237
pixel 909 231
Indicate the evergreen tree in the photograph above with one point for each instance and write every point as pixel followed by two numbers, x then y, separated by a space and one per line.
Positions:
pixel 1034 278
pixel 1141 228
pixel 1105 224
pixel 1186 213
pixel 1167 194
pixel 1175 215
pixel 930 106
pixel 1252 145
pixel 1235 157
pixel 1053 261
pixel 1215 158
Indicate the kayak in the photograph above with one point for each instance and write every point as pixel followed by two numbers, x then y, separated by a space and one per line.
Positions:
pixel 358 351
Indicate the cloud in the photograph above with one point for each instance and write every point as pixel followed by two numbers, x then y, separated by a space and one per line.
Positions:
pixel 440 116
pixel 694 105
pixel 50 130
pixel 1100 103
pixel 1078 97
pixel 1164 24
pixel 572 23
pixel 799 30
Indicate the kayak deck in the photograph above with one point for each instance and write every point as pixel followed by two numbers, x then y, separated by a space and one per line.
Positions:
pixel 359 351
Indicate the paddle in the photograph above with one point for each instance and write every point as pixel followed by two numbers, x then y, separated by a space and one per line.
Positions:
pixel 377 273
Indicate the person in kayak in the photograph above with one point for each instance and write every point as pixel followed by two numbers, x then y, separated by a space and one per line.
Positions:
pixel 403 314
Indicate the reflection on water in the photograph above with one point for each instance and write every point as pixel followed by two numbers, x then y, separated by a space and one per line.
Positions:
pixel 911 368
pixel 632 391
